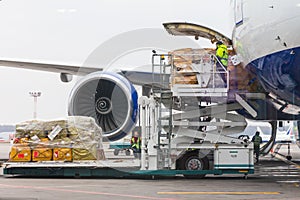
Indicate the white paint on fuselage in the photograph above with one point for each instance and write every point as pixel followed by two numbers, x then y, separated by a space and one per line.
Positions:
pixel 262 23
pixel 284 133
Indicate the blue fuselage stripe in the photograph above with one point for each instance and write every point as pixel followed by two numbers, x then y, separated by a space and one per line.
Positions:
pixel 280 73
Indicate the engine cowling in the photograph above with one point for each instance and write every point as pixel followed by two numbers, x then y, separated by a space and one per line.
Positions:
pixel 110 99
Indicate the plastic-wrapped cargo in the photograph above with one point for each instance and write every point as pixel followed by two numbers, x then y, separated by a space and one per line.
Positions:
pixel 189 55
pixel 186 62
pixel 76 138
pixel 185 79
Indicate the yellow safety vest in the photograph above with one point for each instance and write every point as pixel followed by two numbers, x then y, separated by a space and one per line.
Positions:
pixel 222 54
pixel 257 140
pixel 135 144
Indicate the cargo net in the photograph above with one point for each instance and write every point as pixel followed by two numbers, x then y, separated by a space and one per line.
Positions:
pixel 74 139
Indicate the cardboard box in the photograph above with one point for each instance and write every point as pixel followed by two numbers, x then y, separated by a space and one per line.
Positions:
pixel 185 67
pixel 20 153
pixel 62 154
pixel 192 79
pixel 41 154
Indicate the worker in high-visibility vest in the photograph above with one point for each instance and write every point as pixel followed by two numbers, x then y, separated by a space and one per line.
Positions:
pixel 222 55
pixel 136 144
pixel 257 140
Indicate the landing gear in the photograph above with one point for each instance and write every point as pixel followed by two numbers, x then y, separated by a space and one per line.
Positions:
pixel 267 147
pixel 289 157
pixel 192 161
pixel 276 151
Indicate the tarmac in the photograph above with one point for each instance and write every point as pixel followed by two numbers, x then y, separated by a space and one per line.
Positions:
pixel 274 178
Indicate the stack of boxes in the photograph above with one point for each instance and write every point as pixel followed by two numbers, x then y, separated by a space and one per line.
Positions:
pixel 185 62
pixel 74 139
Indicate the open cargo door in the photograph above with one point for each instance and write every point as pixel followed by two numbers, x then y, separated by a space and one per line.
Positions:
pixel 188 29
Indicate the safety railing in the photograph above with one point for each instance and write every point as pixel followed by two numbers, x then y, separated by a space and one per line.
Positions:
pixel 190 74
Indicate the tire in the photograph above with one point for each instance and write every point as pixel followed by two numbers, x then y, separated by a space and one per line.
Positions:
pixel 116 152
pixel 192 161
pixel 127 152
pixel 244 137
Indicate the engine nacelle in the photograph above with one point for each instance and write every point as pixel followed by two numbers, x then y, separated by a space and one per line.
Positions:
pixel 110 99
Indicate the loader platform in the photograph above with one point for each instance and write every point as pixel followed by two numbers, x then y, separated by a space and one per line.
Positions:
pixel 103 169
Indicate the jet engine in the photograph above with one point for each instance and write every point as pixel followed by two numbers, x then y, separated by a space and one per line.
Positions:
pixel 110 99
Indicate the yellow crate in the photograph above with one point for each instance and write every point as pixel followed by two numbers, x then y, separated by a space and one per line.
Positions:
pixel 20 153
pixel 41 154
pixel 44 140
pixel 84 154
pixel 62 154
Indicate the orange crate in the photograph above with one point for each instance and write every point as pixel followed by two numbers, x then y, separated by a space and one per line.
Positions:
pixel 62 154
pixel 20 153
pixel 41 154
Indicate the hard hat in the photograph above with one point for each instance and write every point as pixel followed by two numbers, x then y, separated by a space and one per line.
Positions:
pixel 219 43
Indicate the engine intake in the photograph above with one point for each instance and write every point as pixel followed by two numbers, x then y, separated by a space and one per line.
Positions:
pixel 110 99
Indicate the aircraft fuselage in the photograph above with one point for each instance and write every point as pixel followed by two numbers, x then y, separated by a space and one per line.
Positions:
pixel 266 38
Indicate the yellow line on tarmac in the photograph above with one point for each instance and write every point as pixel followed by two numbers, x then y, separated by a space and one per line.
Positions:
pixel 222 193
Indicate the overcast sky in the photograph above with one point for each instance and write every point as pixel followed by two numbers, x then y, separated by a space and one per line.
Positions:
pixel 69 31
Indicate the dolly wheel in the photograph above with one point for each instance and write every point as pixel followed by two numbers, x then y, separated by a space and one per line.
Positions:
pixel 127 152
pixel 116 152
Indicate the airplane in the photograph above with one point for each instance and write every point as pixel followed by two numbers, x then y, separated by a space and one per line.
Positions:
pixel 284 133
pixel 267 48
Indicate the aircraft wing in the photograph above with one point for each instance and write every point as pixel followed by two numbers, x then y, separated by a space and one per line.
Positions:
pixel 57 68
pixel 136 77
